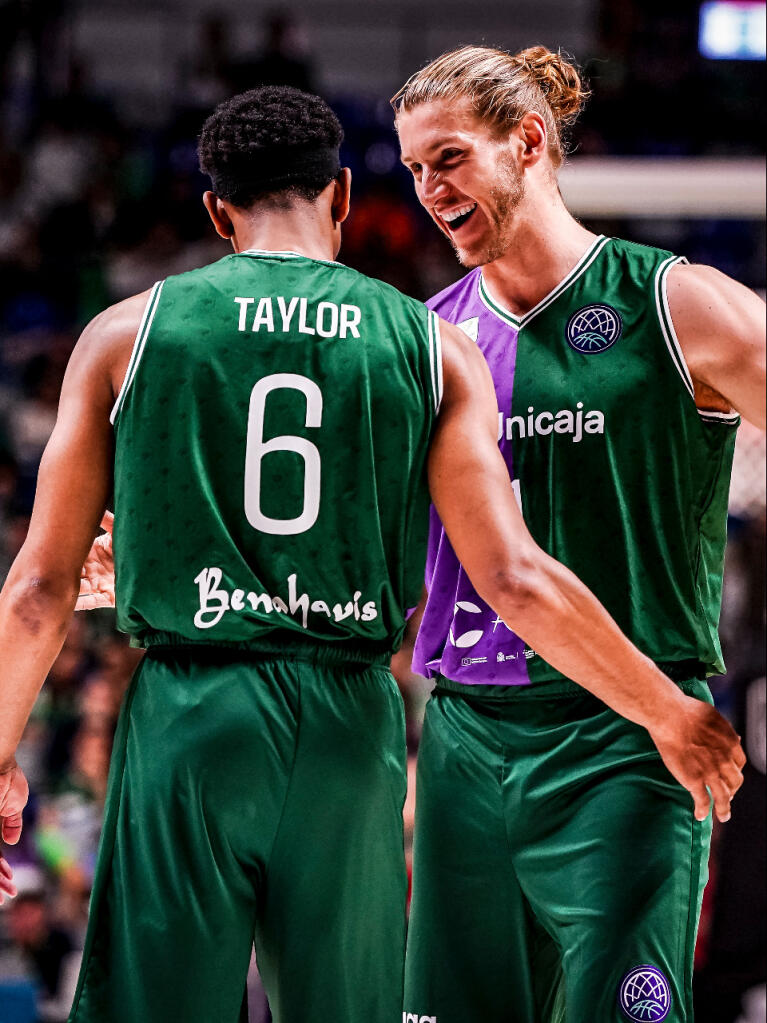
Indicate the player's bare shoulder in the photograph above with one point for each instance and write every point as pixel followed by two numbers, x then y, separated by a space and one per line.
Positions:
pixel 703 291
pixel 462 361
pixel 720 326
pixel 106 343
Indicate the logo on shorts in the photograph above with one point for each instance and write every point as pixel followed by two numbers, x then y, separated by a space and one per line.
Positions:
pixel 645 995
pixel 594 329
pixel 413 1017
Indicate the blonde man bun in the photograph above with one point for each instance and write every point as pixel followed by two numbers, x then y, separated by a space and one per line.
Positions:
pixel 557 79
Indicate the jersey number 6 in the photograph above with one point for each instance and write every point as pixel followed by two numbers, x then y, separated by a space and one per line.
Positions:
pixel 257 447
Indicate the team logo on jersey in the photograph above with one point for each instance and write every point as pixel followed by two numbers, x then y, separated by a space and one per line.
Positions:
pixel 645 995
pixel 594 329
pixel 472 636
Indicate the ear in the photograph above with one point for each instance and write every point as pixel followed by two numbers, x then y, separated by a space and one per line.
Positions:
pixel 217 213
pixel 341 196
pixel 531 132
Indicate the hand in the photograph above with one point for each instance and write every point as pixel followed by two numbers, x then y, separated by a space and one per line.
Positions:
pixel 97 579
pixel 7 887
pixel 14 793
pixel 703 753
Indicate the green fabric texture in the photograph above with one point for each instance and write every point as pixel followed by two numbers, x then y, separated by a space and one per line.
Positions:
pixel 251 797
pixel 633 499
pixel 554 853
pixel 271 440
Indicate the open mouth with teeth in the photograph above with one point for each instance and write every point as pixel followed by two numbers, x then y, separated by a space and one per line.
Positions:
pixel 457 218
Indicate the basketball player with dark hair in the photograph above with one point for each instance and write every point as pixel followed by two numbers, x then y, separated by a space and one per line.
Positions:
pixel 269 424
pixel 558 864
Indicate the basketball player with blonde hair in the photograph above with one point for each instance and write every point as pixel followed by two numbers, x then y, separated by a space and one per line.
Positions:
pixel 559 864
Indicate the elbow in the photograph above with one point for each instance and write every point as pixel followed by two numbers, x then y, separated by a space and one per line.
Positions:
pixel 40 601
pixel 515 592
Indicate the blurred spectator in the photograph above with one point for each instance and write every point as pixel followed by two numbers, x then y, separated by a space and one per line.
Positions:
pixel 59 702
pixel 282 61
pixel 380 236
pixel 13 535
pixel 34 416
pixel 69 820
pixel 208 81
pixel 39 951
pixel 9 478
pixel 60 164
pixel 11 206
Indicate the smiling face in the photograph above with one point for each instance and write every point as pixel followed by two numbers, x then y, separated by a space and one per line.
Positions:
pixel 465 177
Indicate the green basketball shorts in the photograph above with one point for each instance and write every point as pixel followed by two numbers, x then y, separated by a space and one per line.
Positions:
pixel 558 866
pixel 251 796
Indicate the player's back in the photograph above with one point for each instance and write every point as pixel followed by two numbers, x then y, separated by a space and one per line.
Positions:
pixel 271 437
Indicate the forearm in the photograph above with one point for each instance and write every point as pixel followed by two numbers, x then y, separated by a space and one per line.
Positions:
pixel 34 618
pixel 564 623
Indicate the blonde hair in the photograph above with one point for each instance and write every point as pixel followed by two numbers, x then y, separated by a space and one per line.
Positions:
pixel 502 88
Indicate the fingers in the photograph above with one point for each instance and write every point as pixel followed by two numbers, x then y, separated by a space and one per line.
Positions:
pixel 10 829
pixel 103 542
pixel 90 601
pixel 107 522
pixel 722 798
pixel 739 756
pixel 722 783
pixel 732 777
pixel 702 800
pixel 726 776
pixel 7 887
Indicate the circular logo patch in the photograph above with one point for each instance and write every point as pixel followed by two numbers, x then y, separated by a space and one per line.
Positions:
pixel 594 329
pixel 645 995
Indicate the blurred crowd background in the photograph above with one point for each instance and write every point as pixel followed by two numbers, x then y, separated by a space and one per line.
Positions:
pixel 100 107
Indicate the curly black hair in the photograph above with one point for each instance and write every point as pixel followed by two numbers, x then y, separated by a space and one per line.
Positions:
pixel 270 141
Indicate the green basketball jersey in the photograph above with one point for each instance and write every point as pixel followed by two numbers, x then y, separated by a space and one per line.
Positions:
pixel 618 474
pixel 271 436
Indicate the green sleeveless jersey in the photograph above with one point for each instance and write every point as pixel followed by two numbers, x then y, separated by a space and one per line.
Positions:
pixel 618 474
pixel 271 437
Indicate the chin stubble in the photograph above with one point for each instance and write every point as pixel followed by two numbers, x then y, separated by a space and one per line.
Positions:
pixel 506 195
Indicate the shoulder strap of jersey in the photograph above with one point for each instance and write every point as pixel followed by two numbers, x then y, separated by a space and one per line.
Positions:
pixel 435 358
pixel 138 347
pixel 672 341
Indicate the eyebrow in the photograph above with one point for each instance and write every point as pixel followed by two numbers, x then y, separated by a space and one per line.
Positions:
pixel 442 143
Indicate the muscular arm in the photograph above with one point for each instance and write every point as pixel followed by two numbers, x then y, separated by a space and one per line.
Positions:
pixel 539 598
pixel 73 485
pixel 720 326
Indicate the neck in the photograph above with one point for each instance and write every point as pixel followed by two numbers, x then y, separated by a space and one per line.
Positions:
pixel 547 242
pixel 301 228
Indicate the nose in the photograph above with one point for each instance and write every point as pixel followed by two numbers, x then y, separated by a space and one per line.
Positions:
pixel 432 186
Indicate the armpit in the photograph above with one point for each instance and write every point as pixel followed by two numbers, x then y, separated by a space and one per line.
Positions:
pixel 709 400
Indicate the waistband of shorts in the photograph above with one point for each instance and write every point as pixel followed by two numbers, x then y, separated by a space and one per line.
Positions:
pixel 686 674
pixel 288 647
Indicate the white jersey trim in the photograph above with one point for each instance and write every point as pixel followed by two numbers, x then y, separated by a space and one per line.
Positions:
pixel 666 323
pixel 672 341
pixel 435 358
pixel 288 254
pixel 138 347
pixel 570 278
pixel 712 416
